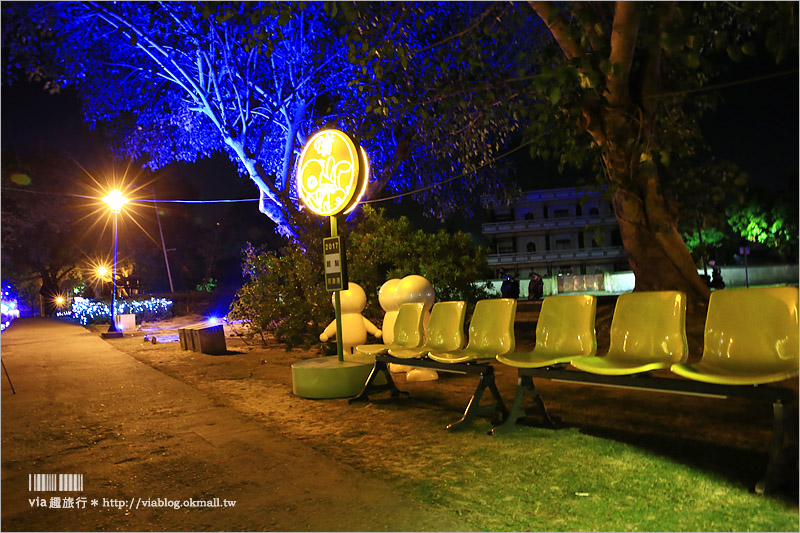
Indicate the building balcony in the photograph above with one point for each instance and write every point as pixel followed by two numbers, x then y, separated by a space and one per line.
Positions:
pixel 608 253
pixel 547 224
pixel 550 195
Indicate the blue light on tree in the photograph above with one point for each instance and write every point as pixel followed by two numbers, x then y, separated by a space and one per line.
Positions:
pixel 254 80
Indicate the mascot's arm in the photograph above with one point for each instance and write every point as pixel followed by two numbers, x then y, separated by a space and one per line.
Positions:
pixel 329 332
pixel 371 328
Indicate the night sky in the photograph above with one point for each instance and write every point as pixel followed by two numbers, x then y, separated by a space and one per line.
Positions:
pixel 756 127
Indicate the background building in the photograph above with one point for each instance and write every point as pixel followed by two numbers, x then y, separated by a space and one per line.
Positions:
pixel 570 234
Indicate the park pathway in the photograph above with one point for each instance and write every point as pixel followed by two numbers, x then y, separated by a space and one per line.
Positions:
pixel 139 437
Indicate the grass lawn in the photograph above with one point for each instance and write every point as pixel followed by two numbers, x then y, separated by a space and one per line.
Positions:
pixel 565 480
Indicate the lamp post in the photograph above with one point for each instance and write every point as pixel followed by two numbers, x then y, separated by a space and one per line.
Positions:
pixel 115 201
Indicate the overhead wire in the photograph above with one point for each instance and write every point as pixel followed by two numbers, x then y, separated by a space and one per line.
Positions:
pixel 427 187
pixel 144 200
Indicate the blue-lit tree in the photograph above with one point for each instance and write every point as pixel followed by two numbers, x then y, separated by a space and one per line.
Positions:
pixel 441 84
pixel 175 81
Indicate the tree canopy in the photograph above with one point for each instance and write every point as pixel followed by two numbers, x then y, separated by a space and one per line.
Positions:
pixel 52 221
pixel 177 81
pixel 626 85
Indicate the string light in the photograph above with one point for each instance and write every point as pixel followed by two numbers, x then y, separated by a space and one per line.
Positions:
pixel 85 310
pixel 9 309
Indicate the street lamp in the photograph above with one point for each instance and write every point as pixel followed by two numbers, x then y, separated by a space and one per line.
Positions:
pixel 115 201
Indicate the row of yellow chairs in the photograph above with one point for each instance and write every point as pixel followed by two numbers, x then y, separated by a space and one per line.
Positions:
pixel 491 332
pixel 751 335
pixel 750 338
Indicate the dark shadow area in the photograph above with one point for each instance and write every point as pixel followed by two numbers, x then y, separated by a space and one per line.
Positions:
pixel 225 353
pixel 739 466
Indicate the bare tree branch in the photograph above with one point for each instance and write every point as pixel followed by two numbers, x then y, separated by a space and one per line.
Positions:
pixel 623 43
pixel 559 27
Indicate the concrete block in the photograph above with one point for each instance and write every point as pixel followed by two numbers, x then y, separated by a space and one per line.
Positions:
pixel 203 338
pixel 126 322
pixel 183 338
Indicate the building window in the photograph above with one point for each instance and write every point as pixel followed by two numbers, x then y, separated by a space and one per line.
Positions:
pixel 594 211
pixel 563 244
pixel 505 247
pixel 560 213
pixel 528 216
pixel 531 247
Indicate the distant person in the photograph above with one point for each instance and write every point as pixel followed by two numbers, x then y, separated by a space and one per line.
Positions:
pixel 514 287
pixel 535 286
pixel 716 278
pixel 505 287
pixel 510 286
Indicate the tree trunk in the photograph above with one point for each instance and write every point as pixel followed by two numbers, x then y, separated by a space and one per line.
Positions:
pixel 656 252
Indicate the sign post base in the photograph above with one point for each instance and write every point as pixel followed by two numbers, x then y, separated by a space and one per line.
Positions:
pixel 327 377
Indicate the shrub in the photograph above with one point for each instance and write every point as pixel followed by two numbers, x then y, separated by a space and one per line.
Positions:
pixel 380 248
pixel 284 292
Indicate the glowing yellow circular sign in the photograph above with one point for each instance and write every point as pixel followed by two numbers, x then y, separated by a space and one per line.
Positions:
pixel 330 176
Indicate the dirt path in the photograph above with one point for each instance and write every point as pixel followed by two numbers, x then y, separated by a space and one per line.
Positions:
pixel 83 406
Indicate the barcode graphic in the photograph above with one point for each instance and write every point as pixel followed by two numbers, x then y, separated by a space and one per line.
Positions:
pixel 55 482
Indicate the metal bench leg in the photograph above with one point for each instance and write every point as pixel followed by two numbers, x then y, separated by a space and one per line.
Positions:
pixel 525 386
pixel 370 387
pixel 474 408
pixel 772 476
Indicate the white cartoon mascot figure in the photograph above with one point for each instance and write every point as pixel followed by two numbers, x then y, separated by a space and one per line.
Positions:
pixel 354 325
pixel 416 289
pixel 387 299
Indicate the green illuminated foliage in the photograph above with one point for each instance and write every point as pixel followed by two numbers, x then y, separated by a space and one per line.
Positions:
pixel 772 224
pixel 700 242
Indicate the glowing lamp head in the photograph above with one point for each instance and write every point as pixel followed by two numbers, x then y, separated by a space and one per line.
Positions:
pixel 331 174
pixel 60 300
pixel 115 201
pixel 102 271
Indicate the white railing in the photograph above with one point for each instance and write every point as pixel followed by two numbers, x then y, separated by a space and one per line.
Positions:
pixel 585 254
pixel 544 224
